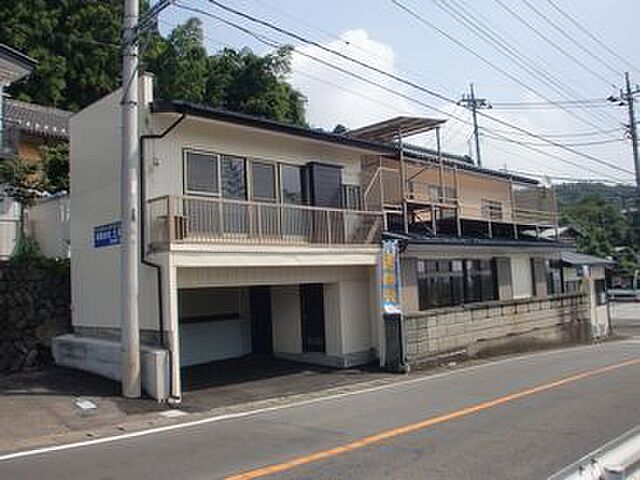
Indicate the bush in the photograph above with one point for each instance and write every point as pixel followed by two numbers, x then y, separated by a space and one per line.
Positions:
pixel 26 250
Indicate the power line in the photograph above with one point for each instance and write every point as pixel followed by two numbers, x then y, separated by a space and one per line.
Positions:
pixel 387 74
pixel 577 144
pixel 569 37
pixel 514 44
pixel 552 43
pixel 566 135
pixel 591 35
pixel 504 48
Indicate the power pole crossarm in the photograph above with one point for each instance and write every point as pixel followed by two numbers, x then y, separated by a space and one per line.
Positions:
pixel 472 103
pixel 627 98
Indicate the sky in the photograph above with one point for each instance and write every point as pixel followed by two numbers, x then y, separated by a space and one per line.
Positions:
pixel 538 62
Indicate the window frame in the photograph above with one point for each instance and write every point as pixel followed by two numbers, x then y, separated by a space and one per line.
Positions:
pixel 185 173
pixel 276 180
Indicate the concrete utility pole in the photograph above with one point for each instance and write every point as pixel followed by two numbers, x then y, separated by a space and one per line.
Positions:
pixel 627 99
pixel 473 103
pixel 131 374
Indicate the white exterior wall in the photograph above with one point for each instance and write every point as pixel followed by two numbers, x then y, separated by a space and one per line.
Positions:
pixel 95 156
pixel 521 276
pixel 165 164
pixel 206 341
pixel 49 222
pixel 9 226
pixel 285 314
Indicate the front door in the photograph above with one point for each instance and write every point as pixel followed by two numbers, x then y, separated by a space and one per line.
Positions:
pixel 261 334
pixel 312 309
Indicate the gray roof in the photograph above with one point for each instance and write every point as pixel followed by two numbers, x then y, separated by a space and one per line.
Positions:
pixel 574 258
pixel 37 119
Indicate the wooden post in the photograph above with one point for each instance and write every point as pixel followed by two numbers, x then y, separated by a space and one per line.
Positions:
pixel 458 208
pixel 171 219
pixel 513 209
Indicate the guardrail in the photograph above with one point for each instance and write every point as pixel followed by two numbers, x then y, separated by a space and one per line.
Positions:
pixel 190 219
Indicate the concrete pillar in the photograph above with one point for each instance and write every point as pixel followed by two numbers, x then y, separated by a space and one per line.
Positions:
pixel 171 325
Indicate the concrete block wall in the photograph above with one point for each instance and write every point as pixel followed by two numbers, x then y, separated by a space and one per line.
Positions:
pixel 477 329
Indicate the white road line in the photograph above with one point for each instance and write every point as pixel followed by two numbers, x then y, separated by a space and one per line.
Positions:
pixel 232 416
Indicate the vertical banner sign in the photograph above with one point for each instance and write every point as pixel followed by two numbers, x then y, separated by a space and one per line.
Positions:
pixel 390 280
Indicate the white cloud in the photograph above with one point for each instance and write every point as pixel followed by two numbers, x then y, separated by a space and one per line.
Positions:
pixel 335 97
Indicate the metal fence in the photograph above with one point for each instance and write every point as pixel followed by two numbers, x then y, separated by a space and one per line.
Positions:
pixel 218 220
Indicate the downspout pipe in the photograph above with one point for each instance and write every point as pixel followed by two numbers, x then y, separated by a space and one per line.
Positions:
pixel 143 255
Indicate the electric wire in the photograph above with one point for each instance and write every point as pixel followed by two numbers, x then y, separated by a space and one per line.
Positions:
pixel 592 36
pixel 275 44
pixel 547 40
pixel 508 51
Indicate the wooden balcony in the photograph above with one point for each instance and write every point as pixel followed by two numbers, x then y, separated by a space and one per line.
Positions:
pixel 214 220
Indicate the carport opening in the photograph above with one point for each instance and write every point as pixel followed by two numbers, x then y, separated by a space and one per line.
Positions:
pixel 230 334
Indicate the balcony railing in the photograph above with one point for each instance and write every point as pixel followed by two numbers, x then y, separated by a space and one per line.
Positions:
pixel 189 219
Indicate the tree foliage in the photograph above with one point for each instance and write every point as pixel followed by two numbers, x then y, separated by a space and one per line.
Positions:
pixel 77 46
pixel 601 226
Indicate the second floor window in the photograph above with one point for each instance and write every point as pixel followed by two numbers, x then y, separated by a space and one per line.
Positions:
pixel 202 173
pixel 263 176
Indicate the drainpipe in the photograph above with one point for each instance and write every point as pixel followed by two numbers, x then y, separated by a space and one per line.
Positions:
pixel 174 395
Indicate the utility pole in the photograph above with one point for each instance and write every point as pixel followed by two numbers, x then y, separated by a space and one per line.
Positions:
pixel 627 99
pixel 473 103
pixel 131 373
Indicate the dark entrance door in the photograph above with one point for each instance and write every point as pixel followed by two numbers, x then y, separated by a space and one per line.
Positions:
pixel 261 334
pixel 312 309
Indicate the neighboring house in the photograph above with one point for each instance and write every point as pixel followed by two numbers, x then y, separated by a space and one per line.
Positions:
pixel 13 67
pixel 25 128
pixel 260 237
pixel 29 127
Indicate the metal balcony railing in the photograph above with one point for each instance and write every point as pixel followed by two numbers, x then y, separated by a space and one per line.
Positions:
pixel 190 219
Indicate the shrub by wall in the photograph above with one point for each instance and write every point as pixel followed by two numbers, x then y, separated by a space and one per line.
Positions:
pixel 35 306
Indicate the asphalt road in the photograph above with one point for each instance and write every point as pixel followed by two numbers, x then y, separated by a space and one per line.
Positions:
pixel 519 418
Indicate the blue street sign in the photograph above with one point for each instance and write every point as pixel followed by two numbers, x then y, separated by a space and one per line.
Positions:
pixel 107 235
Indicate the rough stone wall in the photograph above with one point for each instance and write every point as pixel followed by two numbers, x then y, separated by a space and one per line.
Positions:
pixel 35 304
pixel 499 326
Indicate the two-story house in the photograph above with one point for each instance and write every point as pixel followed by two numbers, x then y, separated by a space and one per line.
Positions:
pixel 260 237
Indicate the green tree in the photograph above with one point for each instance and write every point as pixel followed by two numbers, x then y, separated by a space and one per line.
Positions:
pixel 55 160
pixel 24 181
pixel 181 64
pixel 601 226
pixel 241 81
pixel 77 46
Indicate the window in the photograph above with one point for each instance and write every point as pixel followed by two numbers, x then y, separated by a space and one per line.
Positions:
pixel 351 197
pixel 491 209
pixel 233 177
pixel 291 180
pixel 480 281
pixel 554 276
pixel 263 176
pixel 202 173
pixel 445 283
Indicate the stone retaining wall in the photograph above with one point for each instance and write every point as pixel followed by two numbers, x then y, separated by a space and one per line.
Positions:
pixel 495 327
pixel 35 304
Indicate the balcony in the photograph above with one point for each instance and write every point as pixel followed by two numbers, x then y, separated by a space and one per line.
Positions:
pixel 215 220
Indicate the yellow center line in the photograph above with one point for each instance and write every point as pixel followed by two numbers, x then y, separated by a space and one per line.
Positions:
pixel 429 422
